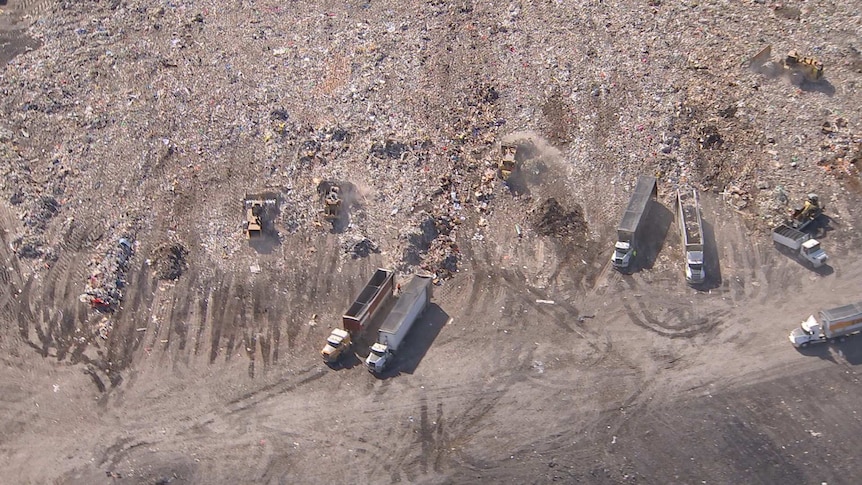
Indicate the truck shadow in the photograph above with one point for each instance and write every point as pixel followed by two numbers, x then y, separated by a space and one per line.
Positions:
pixel 348 361
pixel 850 351
pixel 658 223
pixel 418 341
pixel 711 260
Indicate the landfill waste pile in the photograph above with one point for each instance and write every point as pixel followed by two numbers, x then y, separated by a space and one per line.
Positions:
pixel 491 146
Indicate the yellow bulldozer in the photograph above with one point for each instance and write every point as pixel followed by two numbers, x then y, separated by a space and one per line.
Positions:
pixel 332 203
pixel 800 217
pixel 256 215
pixel 797 68
pixel 507 163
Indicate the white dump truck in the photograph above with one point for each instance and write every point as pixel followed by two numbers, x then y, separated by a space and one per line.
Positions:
pixel 830 325
pixel 691 233
pixel 631 228
pixel 800 244
pixel 412 301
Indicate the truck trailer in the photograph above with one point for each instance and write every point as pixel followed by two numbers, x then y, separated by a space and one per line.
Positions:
pixel 373 297
pixel 412 301
pixel 833 324
pixel 631 228
pixel 691 233
pixel 801 244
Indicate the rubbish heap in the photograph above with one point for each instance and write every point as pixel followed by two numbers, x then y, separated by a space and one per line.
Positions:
pixel 104 291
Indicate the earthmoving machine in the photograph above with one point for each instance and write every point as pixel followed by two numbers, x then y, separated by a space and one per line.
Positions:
pixel 799 68
pixel 507 163
pixel 410 305
pixel 631 228
pixel 834 324
pixel 810 210
pixel 256 213
pixel 800 244
pixel 332 203
pixel 691 233
pixel 337 345
pixel 810 68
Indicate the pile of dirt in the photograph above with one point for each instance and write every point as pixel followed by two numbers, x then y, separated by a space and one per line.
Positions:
pixel 169 261
pixel 552 219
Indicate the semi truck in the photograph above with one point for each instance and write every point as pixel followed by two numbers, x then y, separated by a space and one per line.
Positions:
pixel 801 244
pixel 631 228
pixel 374 296
pixel 834 324
pixel 691 232
pixel 411 303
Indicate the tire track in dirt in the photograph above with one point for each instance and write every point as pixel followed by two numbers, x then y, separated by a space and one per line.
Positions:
pixel 33 7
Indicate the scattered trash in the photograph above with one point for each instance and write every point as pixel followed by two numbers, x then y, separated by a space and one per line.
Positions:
pixel 547 302
pixel 169 260
pixel 107 281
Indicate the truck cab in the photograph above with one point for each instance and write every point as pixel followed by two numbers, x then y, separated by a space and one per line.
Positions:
pixel 812 251
pixel 694 272
pixel 622 254
pixel 809 332
pixel 337 344
pixel 378 358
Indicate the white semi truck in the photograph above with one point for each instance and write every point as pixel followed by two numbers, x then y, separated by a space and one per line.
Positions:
pixel 801 244
pixel 631 228
pixel 691 233
pixel 830 325
pixel 412 301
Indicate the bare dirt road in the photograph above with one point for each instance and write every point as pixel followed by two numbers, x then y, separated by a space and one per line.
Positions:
pixel 215 379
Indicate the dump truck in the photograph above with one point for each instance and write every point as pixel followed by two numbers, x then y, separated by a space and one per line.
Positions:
pixel 412 301
pixel 337 345
pixel 832 325
pixel 631 228
pixel 804 215
pixel 801 244
pixel 257 209
pixel 373 296
pixel 691 233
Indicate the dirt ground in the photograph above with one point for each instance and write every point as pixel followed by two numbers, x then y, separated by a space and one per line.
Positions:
pixel 537 361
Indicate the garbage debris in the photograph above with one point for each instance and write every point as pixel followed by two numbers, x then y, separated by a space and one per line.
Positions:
pixel 107 281
pixel 169 261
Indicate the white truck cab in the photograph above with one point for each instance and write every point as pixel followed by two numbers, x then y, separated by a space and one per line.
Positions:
pixel 807 333
pixel 812 251
pixel 694 272
pixel 378 357
pixel 622 254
